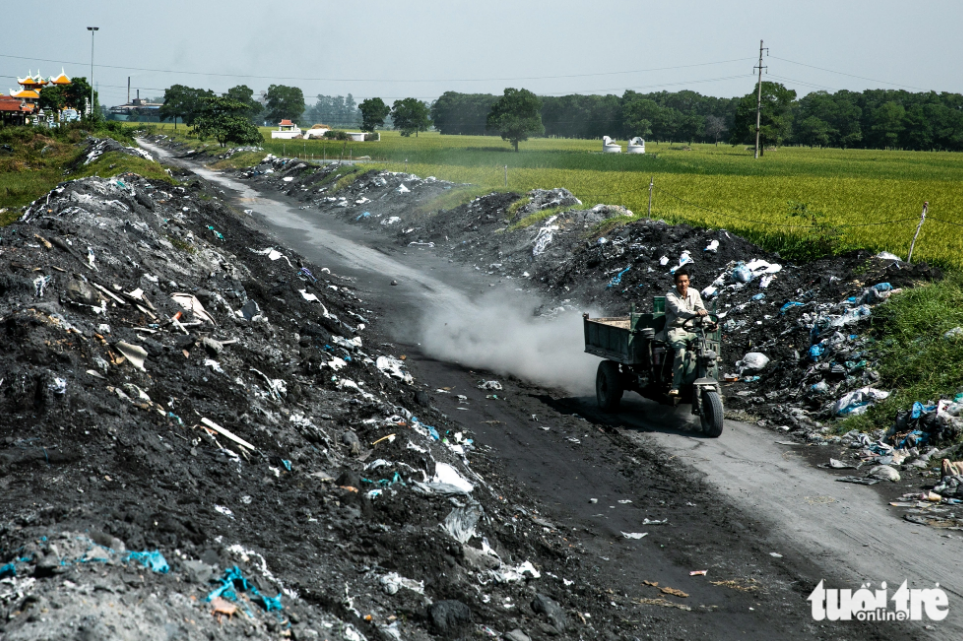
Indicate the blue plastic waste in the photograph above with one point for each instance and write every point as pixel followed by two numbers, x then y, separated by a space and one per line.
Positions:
pixel 233 580
pixel 366 214
pixel 917 410
pixel 617 279
pixel 153 560
pixel 816 351
pixel 789 305
pixel 741 274
pixel 759 297
pixel 286 464
pixel 8 570
pixel 882 287
pixel 216 233
pixel 820 387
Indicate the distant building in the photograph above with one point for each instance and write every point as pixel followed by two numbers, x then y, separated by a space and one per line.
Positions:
pixel 286 130
pixel 22 107
pixel 136 110
pixel 317 131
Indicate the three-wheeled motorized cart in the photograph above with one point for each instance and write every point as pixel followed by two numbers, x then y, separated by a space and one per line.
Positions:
pixel 638 358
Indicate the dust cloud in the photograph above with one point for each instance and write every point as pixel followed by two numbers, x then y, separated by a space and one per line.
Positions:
pixel 500 332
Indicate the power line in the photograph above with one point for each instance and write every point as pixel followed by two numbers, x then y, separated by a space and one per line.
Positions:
pixel 272 77
pixel 803 64
pixel 811 85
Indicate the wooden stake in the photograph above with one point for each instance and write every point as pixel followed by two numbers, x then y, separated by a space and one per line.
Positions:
pixel 926 205
pixel 651 185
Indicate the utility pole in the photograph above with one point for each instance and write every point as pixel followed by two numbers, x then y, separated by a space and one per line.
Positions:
pixel 759 99
pixel 92 30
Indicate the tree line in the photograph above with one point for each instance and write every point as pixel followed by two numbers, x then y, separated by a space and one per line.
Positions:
pixel 870 119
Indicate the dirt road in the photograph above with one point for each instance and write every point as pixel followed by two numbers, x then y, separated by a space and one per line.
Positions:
pixel 731 503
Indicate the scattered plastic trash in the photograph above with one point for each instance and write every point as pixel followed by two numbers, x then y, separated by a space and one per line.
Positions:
pixel 193 305
pixel 790 305
pixel 515 574
pixel 232 581
pixel 753 361
pixel 392 582
pixel 617 279
pixel 859 401
pixel 712 247
pixel 954 334
pixel 461 521
pixel 885 473
pixel 888 256
pixel 490 385
pixel 391 366
pixel 155 561
pixel 219 235
pixel 634 535
pixel 135 354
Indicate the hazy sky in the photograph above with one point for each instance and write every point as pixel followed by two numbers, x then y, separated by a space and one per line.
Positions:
pixel 418 48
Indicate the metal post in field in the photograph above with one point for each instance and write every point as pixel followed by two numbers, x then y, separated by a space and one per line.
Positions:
pixel 506 175
pixel 651 186
pixel 92 30
pixel 759 100
pixel 406 165
pixel 909 258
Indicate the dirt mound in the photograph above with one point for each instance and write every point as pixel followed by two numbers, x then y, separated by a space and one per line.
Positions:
pixel 199 439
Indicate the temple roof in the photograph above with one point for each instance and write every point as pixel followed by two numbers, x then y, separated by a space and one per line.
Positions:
pixel 285 123
pixel 28 94
pixel 62 79
pixel 32 81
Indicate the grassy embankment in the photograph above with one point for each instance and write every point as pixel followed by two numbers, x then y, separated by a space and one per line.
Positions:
pixel 915 360
pixel 38 159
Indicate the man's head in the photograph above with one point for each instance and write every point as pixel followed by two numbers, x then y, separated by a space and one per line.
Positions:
pixel 682 282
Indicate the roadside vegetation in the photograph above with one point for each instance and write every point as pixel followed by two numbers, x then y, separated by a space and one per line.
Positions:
pixel 916 359
pixel 33 161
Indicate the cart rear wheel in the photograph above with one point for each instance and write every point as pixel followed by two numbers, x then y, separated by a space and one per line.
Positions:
pixel 712 413
pixel 608 386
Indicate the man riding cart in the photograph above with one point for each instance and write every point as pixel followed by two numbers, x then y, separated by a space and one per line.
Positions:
pixel 670 355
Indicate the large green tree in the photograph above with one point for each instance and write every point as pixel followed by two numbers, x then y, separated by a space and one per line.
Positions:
pixel 638 117
pixel 284 103
pixel 373 113
pixel 183 102
pixel 226 121
pixel 245 95
pixel 410 116
pixel 516 116
pixel 776 121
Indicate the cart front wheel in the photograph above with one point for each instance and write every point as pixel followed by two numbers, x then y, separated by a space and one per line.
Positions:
pixel 608 386
pixel 712 413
